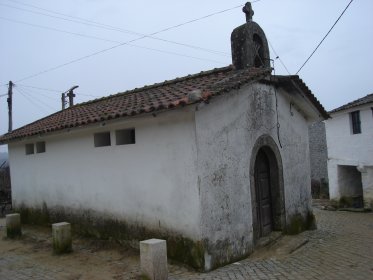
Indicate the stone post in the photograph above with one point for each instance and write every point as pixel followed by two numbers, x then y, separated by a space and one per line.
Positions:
pixel 62 242
pixel 153 259
pixel 13 225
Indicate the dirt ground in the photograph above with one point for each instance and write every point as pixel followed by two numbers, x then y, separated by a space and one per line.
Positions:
pixel 341 248
pixel 99 259
pixel 90 259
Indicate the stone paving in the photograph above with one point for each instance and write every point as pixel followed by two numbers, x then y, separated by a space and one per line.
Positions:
pixel 341 248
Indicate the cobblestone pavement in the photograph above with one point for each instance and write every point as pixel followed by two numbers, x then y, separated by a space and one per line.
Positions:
pixel 341 248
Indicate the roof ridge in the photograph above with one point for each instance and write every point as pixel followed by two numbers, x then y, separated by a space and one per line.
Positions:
pixel 353 103
pixel 132 91
pixel 166 95
pixel 159 84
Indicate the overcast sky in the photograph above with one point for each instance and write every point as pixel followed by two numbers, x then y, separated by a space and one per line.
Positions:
pixel 34 40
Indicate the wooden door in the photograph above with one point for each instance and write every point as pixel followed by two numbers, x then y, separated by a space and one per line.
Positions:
pixel 263 194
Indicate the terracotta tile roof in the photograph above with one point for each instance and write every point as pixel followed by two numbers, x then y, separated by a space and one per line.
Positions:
pixel 162 96
pixel 361 101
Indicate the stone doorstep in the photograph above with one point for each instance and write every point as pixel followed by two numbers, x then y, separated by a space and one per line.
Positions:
pixel 278 245
pixel 268 240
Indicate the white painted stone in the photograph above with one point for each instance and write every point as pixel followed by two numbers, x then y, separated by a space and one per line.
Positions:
pixel 13 225
pixel 143 182
pixel 348 149
pixel 226 130
pixel 153 259
pixel 62 242
pixel 187 173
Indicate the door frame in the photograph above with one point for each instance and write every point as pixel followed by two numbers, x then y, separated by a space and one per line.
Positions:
pixel 262 160
pixel 270 148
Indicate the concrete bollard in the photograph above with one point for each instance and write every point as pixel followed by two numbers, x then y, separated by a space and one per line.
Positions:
pixel 13 225
pixel 153 259
pixel 62 242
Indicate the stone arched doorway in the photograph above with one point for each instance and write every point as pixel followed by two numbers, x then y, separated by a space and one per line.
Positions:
pixel 262 176
pixel 267 188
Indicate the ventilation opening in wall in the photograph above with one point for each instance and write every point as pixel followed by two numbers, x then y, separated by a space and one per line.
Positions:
pixel 102 139
pixel 29 149
pixel 125 136
pixel 40 147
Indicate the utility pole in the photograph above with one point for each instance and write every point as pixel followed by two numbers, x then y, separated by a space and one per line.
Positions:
pixel 70 94
pixel 63 100
pixel 10 103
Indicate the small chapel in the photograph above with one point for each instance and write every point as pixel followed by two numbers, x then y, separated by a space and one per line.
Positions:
pixel 212 162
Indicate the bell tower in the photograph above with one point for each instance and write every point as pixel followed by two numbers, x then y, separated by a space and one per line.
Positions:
pixel 249 44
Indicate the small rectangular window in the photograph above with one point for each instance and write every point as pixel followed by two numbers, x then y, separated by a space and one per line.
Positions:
pixel 40 147
pixel 355 122
pixel 102 139
pixel 125 136
pixel 29 149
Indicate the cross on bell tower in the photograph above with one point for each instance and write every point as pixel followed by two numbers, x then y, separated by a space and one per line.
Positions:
pixel 248 10
pixel 249 44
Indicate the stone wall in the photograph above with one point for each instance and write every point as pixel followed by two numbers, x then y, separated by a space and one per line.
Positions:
pixel 227 130
pixel 318 160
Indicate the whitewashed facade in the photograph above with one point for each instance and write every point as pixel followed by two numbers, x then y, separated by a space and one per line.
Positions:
pixel 187 174
pixel 350 160
pixel 212 162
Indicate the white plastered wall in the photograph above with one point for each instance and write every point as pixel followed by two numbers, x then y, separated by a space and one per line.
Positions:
pixel 151 183
pixel 188 171
pixel 348 149
pixel 227 129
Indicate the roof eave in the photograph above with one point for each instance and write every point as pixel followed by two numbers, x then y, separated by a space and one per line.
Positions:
pixel 304 98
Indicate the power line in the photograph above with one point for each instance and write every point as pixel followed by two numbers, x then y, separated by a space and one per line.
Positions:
pixel 65 19
pixel 59 30
pixel 324 37
pixel 197 19
pixel 77 60
pixel 32 101
pixel 113 28
pixel 46 89
pixel 279 58
pixel 177 54
pixel 55 90
pixel 37 99
pixel 107 40
pixel 33 91
pixel 122 44
pixel 66 15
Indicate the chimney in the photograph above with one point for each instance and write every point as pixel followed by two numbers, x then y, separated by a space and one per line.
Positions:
pixel 249 44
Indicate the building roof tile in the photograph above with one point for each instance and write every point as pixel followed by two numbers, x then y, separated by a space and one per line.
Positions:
pixel 361 101
pixel 161 96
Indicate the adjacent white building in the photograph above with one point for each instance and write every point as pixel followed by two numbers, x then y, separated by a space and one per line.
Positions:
pixel 349 134
pixel 212 162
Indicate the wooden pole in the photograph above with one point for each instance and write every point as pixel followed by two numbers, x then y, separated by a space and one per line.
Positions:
pixel 71 96
pixel 10 103
pixel 63 100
